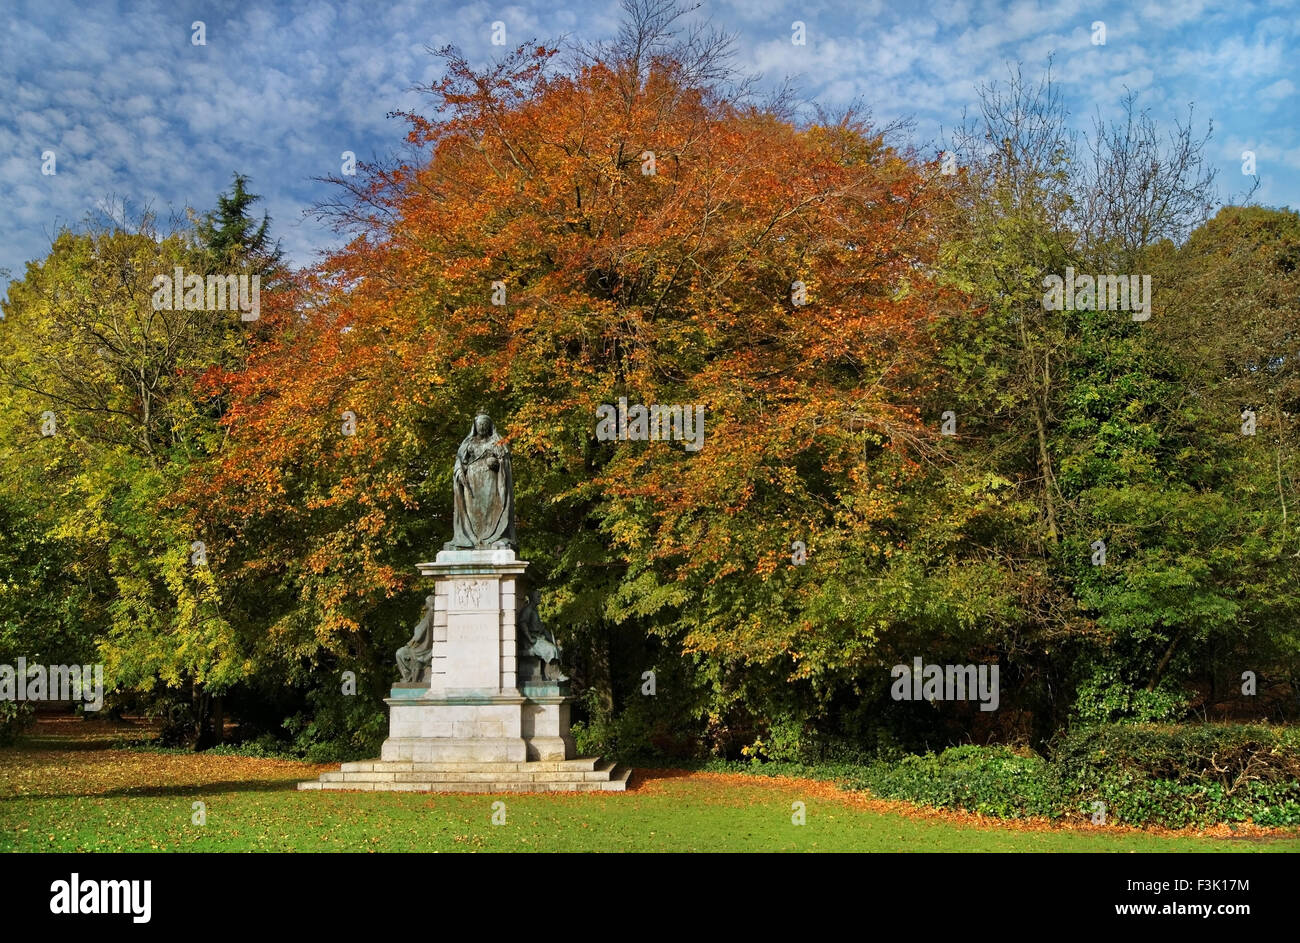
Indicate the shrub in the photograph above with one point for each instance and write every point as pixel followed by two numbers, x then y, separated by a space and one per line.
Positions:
pixel 1181 775
pixel 336 728
pixel 1145 774
pixel 15 717
pixel 988 780
pixel 1106 696
pixel 643 729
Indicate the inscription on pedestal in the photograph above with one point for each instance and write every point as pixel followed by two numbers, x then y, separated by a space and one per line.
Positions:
pixel 473 635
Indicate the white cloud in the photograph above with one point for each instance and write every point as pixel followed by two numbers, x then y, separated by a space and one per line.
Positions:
pixel 281 89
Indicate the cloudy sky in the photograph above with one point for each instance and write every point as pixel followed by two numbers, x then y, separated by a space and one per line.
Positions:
pixel 134 111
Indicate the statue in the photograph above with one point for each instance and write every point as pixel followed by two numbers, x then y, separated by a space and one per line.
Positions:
pixel 483 489
pixel 416 656
pixel 536 644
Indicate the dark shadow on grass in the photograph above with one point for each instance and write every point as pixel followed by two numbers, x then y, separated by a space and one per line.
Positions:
pixel 642 776
pixel 197 789
pixel 31 744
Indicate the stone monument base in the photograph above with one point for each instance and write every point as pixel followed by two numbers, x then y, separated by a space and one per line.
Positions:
pixel 478 721
pixel 582 775
pixel 498 743
pixel 474 727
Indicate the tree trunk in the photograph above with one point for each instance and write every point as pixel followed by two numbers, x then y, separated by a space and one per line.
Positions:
pixel 1044 457
pixel 1164 662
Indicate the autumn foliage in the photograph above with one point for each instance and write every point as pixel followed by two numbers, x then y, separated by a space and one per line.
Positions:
pixel 672 286
pixel 626 225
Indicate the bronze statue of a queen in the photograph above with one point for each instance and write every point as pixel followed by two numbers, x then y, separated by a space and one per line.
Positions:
pixel 483 488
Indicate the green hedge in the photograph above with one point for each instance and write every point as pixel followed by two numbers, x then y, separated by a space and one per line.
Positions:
pixel 1171 775
pixel 1179 775
pixel 989 780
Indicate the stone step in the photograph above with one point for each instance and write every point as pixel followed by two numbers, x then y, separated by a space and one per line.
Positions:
pixel 586 764
pixel 452 776
pixel 586 775
pixel 491 788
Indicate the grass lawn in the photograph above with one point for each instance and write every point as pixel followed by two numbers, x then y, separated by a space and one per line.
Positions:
pixel 66 788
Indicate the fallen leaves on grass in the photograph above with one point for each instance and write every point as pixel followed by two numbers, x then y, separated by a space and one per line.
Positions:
pixel 55 763
pixel 741 789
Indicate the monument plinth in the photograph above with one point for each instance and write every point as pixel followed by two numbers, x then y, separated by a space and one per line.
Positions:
pixel 469 704
pixel 482 704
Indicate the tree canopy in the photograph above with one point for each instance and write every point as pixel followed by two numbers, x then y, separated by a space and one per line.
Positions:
pixel 906 452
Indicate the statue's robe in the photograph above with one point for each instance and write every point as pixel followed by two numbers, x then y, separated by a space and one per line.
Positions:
pixel 534 637
pixel 415 655
pixel 484 497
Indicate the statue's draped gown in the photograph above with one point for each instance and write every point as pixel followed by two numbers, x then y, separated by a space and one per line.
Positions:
pixel 418 652
pixel 484 513
pixel 537 641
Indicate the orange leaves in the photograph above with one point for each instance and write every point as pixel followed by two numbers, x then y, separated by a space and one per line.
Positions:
pixel 572 240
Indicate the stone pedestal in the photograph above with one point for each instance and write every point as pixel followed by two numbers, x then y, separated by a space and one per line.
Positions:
pixel 472 709
pixel 471 725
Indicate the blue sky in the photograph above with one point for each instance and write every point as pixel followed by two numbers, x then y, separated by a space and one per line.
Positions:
pixel 134 111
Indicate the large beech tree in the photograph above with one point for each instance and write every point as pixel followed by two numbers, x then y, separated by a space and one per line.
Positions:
pixel 651 238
